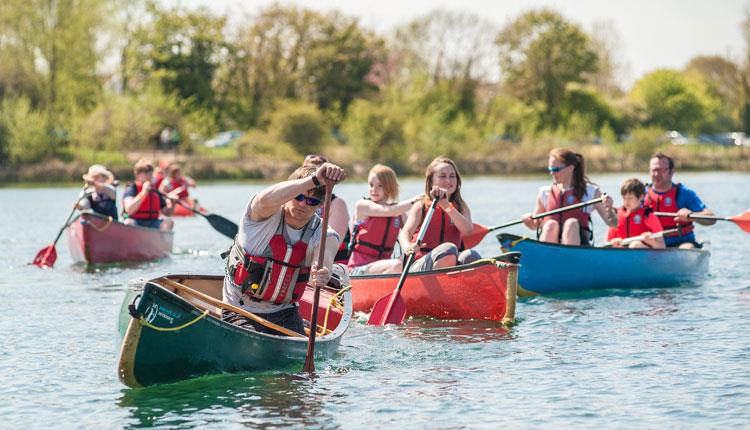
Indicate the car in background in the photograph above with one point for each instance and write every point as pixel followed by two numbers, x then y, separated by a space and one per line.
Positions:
pixel 676 138
pixel 225 138
pixel 734 138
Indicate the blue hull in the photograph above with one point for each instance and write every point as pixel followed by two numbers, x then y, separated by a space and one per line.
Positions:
pixel 551 268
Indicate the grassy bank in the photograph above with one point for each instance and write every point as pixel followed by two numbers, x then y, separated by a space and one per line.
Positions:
pixel 506 158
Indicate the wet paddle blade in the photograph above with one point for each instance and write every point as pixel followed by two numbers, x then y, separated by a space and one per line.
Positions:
pixel 383 312
pixel 475 237
pixel 742 221
pixel 46 257
pixel 222 225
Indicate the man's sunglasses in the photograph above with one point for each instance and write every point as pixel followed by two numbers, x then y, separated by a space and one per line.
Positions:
pixel 554 169
pixel 310 201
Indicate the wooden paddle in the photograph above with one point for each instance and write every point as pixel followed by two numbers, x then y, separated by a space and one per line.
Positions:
pixel 629 240
pixel 480 231
pixel 391 309
pixel 310 359
pixel 742 220
pixel 219 223
pixel 47 256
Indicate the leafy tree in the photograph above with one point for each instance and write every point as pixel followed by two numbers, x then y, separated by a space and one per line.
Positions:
pixel 540 54
pixel 375 132
pixel 666 99
pixel 299 124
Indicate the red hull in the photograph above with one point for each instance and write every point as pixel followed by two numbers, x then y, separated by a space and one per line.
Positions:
pixel 180 210
pixel 473 291
pixel 94 239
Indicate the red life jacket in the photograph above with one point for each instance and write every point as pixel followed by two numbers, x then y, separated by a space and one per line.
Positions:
pixel 173 184
pixel 557 200
pixel 440 230
pixel 633 224
pixel 150 206
pixel 667 202
pixel 278 274
pixel 374 239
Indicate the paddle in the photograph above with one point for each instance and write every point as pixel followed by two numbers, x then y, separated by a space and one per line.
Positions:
pixel 309 358
pixel 391 309
pixel 219 223
pixel 742 220
pixel 47 256
pixel 480 231
pixel 629 240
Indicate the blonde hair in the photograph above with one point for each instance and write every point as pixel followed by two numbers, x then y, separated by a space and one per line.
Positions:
pixel 388 180
pixel 143 166
pixel 455 198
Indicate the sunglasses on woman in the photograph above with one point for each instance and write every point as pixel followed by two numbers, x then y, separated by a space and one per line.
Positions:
pixel 310 201
pixel 555 169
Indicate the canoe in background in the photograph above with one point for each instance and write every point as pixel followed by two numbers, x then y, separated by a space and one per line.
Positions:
pixel 554 268
pixel 94 239
pixel 171 329
pixel 180 210
pixel 484 289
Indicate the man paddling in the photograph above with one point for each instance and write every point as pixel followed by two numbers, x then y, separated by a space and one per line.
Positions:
pixel 143 205
pixel 663 195
pixel 271 260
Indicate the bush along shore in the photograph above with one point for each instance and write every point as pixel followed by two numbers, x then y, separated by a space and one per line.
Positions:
pixel 237 163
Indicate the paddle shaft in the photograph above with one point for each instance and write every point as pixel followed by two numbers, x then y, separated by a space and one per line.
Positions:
pixel 693 216
pixel 409 262
pixel 309 358
pixel 552 212
pixel 219 223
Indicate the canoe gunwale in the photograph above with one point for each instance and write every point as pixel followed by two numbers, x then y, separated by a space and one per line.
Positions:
pixel 503 237
pixel 514 256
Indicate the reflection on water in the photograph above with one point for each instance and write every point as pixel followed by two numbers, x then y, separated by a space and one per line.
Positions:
pixel 260 400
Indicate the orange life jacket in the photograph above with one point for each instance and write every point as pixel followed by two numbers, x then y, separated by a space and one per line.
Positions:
pixel 440 230
pixel 150 206
pixel 374 239
pixel 632 224
pixel 667 202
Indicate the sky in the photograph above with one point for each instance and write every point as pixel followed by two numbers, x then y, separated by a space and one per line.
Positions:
pixel 653 33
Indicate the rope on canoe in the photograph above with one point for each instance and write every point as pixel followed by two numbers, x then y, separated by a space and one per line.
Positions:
pixel 517 241
pixel 178 328
pixel 334 302
pixel 101 229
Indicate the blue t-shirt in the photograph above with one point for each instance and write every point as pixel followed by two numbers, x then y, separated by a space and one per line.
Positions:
pixel 686 198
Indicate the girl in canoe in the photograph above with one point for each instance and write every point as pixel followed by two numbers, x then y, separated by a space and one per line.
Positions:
pixel 633 219
pixel 569 186
pixel 377 221
pixel 442 246
pixel 338 216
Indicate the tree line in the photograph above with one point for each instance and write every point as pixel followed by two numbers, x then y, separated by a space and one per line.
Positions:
pixel 86 79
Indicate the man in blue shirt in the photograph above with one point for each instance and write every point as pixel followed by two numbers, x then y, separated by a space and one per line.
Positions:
pixel 666 196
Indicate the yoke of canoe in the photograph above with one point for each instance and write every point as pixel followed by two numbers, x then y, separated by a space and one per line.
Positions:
pixel 172 329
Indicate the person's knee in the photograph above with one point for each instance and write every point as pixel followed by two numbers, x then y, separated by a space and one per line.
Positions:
pixel 637 244
pixel 550 226
pixel 687 245
pixel 572 224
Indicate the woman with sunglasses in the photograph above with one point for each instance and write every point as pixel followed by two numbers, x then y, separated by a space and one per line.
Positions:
pixel 272 258
pixel 442 245
pixel 339 215
pixel 378 219
pixel 569 186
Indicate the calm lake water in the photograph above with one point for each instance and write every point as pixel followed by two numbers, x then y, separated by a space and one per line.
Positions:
pixel 649 358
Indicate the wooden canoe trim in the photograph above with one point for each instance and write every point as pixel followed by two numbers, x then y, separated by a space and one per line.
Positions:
pixel 511 293
pixel 218 303
pixel 126 361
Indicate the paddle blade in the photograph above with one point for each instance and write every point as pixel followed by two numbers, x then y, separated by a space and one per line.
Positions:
pixel 46 257
pixel 742 221
pixel 389 309
pixel 222 225
pixel 475 237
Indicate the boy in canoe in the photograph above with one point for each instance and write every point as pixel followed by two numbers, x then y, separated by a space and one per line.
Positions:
pixel 634 219
pixel 142 204
pixel 272 258
pixel 663 195
pixel 100 194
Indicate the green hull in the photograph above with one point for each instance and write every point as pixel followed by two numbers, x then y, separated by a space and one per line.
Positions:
pixel 204 344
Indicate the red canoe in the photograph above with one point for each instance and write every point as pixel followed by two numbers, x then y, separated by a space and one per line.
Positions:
pixel 180 210
pixel 485 289
pixel 94 239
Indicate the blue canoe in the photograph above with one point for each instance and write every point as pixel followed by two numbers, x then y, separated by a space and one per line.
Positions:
pixel 552 268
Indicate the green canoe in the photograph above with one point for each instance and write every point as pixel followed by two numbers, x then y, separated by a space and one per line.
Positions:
pixel 171 330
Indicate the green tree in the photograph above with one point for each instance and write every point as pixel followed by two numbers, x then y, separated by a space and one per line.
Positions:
pixel 299 124
pixel 665 98
pixel 540 54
